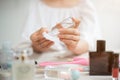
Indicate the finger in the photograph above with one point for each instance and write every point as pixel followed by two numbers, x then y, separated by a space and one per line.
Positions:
pixel 69 37
pixel 44 44
pixel 77 22
pixel 69 42
pixel 40 48
pixel 49 45
pixel 33 36
pixel 69 31
pixel 40 41
pixel 37 47
pixel 37 39
pixel 36 36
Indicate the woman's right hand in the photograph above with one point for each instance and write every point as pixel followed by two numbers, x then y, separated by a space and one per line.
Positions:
pixel 39 43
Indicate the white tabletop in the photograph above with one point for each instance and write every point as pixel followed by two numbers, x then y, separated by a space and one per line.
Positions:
pixel 63 56
pixel 85 76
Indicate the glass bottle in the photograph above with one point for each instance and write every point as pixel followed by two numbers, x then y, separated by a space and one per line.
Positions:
pixel 6 59
pixel 23 68
pixel 57 73
pixel 66 23
pixel 115 68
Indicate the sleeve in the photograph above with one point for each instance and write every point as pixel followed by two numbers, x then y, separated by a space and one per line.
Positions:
pixel 32 21
pixel 89 29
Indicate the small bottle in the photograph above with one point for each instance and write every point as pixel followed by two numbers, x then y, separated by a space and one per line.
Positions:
pixel 7 54
pixel 115 68
pixel 57 73
pixel 66 23
pixel 23 69
pixel 6 58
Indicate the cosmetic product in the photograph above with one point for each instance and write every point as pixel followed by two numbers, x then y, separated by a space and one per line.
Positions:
pixel 101 60
pixel 61 72
pixel 78 61
pixel 6 59
pixel 23 69
pixel 66 23
pixel 115 67
pixel 57 73
pixel 6 55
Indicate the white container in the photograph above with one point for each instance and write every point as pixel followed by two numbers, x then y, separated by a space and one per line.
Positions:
pixel 5 75
pixel 23 69
pixel 57 73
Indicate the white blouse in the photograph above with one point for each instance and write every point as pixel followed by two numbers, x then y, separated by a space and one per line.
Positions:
pixel 41 15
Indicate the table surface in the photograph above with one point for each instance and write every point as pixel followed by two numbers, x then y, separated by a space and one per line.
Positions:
pixel 85 76
pixel 63 56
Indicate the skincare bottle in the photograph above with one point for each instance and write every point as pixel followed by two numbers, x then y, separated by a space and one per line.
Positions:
pixel 23 69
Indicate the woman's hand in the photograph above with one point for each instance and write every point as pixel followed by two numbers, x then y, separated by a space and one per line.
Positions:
pixel 39 43
pixel 70 36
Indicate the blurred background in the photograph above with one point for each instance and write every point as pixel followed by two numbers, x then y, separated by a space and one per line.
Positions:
pixel 13 16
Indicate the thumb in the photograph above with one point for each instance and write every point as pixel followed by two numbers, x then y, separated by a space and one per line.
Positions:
pixel 77 22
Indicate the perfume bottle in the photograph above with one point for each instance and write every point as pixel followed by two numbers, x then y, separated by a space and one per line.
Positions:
pixel 115 67
pixel 66 23
pixel 57 73
pixel 23 69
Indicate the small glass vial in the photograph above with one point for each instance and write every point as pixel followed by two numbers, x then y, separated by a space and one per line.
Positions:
pixel 57 73
pixel 23 69
pixel 66 23
pixel 115 68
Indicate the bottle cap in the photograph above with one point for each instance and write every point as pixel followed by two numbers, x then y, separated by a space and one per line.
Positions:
pixel 100 45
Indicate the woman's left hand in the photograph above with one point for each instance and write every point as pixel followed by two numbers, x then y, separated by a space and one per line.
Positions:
pixel 70 36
